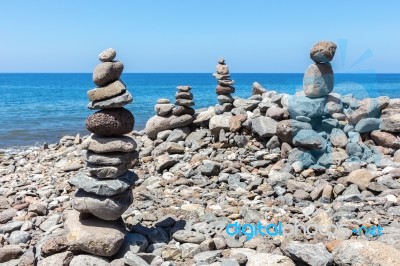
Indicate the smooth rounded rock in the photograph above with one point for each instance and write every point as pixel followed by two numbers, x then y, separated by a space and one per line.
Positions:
pixel 107 72
pixel 109 158
pixel 157 124
pixel 111 122
pixel 183 110
pixel 19 237
pixel 318 80
pixel 107 171
pixel 105 208
pixel 184 102
pixel 184 95
pixel 181 121
pixel 113 89
pixel 115 102
pixel 107 55
pixel 101 144
pixel 323 52
pixel 88 260
pixel 224 90
pixel 163 109
pixel 309 139
pixel 305 106
pixel 184 88
pixel 227 98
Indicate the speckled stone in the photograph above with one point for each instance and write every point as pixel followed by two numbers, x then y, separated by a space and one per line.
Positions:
pixel 101 93
pixel 107 72
pixel 224 90
pixel 323 52
pixel 111 122
pixel 107 55
pixel 101 144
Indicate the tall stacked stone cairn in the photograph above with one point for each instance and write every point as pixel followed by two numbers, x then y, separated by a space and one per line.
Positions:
pixel 104 189
pixel 224 88
pixel 171 117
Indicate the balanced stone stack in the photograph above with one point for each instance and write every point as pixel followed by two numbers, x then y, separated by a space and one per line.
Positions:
pixel 104 189
pixel 183 110
pixel 224 88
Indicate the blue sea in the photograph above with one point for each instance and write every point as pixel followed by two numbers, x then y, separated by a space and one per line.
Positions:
pixel 38 108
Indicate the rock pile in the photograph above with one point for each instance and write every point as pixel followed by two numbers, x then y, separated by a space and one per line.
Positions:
pixel 224 88
pixel 104 190
pixel 169 117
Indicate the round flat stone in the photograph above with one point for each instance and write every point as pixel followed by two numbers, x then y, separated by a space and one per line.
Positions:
pixel 107 172
pixel 184 88
pixel 227 98
pixel 184 95
pixel 107 72
pixel 224 90
pixel 101 144
pixel 111 122
pixel 184 102
pixel 183 110
pixel 116 101
pixel 104 187
pixel 181 121
pixel 227 82
pixel 101 93
pixel 107 55
pixel 163 100
pixel 110 158
pixel 163 109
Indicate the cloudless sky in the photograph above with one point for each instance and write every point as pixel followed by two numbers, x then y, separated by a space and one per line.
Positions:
pixel 190 36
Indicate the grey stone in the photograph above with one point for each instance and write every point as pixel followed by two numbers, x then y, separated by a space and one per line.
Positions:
pixel 108 187
pixel 184 102
pixel 106 171
pixel 311 254
pixel 110 158
pixel 92 235
pixel 287 129
pixel 114 102
pixel 7 215
pixel 267 259
pixel 304 106
pixel 18 237
pixel 10 252
pixel 338 138
pixel 88 260
pixel 111 90
pixel 181 121
pixel 62 259
pixel 265 127
pixel 305 157
pixel 223 108
pixel 186 236
pixel 390 120
pixel 225 99
pixel 132 259
pixel 157 124
pixel 106 208
pixel 163 109
pixel 135 243
pixel 219 122
pixel 9 227
pixel 318 80
pixel 367 125
pixel 257 89
pixel 210 168
pixel 309 139
pixel 178 134
pixel 207 257
pixel 107 72
pixel 247 105
pixel 100 144
pixel 107 55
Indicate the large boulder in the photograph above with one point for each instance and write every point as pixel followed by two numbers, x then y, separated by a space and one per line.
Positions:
pixel 358 252
pixel 265 127
pixel 385 139
pixel 318 80
pixel 368 107
pixel 94 236
pixel 367 125
pixel 304 106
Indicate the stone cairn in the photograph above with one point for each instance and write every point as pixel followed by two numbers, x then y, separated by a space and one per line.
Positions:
pixel 183 109
pixel 224 88
pixel 104 190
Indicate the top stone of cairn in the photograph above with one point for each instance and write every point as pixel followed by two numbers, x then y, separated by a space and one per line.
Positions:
pixel 107 55
pixel 323 52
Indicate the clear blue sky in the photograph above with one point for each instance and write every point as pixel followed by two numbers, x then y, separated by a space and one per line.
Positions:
pixel 189 36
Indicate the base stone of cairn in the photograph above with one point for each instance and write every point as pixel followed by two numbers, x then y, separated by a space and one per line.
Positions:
pixel 224 88
pixel 104 188
pixel 169 116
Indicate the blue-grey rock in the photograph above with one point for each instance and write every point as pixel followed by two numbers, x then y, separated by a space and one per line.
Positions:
pixel 132 242
pixel 309 139
pixel 303 118
pixel 390 120
pixel 287 129
pixel 265 127
pixel 338 138
pixel 115 102
pixel 153 235
pixel 210 168
pixel 353 148
pixel 19 237
pixel 304 106
pixel 318 80
pixel 367 125
pixel 367 108
pixel 305 157
pixel 104 187
pixel 329 124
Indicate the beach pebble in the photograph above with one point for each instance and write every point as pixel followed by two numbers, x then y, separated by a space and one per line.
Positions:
pixel 107 55
pixel 107 72
pixel 100 144
pixel 115 102
pixel 323 52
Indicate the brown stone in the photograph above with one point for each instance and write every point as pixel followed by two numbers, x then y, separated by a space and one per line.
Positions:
pixel 183 110
pixel 224 90
pixel 361 178
pixel 112 89
pixel 235 122
pixel 111 122
pixel 323 52
pixel 54 245
pixel 100 144
pixel 385 139
pixel 107 72
pixel 184 95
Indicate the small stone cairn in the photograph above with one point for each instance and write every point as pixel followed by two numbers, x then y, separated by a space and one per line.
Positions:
pixel 183 110
pixel 224 88
pixel 104 190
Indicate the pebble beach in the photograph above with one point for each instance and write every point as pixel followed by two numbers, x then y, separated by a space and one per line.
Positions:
pixel 166 194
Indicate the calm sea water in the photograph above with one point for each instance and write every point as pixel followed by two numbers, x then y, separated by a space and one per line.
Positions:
pixel 37 108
